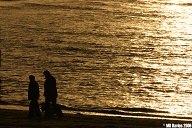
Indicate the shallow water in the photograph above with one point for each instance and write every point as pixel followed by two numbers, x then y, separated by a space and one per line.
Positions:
pixel 106 55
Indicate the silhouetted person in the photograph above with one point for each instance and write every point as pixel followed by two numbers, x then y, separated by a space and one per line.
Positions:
pixel 33 96
pixel 50 93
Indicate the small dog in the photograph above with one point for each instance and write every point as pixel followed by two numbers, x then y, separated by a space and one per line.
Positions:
pixel 53 111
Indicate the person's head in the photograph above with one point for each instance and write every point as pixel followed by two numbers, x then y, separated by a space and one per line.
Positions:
pixel 31 78
pixel 46 73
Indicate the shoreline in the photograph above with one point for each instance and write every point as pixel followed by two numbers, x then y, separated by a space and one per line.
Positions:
pixel 18 118
pixel 133 114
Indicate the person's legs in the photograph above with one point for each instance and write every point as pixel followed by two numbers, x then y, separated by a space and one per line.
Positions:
pixel 47 108
pixel 53 101
pixel 37 110
pixel 56 108
pixel 31 109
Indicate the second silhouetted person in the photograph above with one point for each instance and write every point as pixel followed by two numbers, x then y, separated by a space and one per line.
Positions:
pixel 50 93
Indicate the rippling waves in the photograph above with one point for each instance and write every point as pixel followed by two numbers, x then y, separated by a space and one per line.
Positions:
pixel 105 54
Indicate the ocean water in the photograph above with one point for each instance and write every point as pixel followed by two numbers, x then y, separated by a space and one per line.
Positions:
pixel 126 57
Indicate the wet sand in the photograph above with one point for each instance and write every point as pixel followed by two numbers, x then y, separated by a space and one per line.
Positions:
pixel 18 118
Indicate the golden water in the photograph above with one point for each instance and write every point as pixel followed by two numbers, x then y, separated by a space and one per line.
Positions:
pixel 114 54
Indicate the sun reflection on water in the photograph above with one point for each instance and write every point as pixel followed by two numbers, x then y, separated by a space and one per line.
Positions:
pixel 180 1
pixel 176 54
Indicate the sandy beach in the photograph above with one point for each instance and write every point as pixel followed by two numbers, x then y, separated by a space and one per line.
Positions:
pixel 18 118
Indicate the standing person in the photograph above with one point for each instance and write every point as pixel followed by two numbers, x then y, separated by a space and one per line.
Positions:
pixel 50 93
pixel 33 96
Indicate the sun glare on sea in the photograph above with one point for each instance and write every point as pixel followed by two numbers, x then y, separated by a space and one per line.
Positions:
pixel 180 1
pixel 180 22
pixel 178 28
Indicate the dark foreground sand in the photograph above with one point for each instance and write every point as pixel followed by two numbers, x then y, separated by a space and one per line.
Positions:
pixel 18 119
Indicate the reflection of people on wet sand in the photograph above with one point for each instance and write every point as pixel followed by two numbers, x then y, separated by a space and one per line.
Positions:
pixel 50 93
pixel 33 95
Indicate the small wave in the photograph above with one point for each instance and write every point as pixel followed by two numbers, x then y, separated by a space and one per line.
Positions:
pixel 4 102
pixel 98 3
pixel 117 110
pixel 77 49
pixel 86 84
pixel 142 110
pixel 49 6
pixel 186 4
pixel 178 4
pixel 138 69
pixel 9 0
